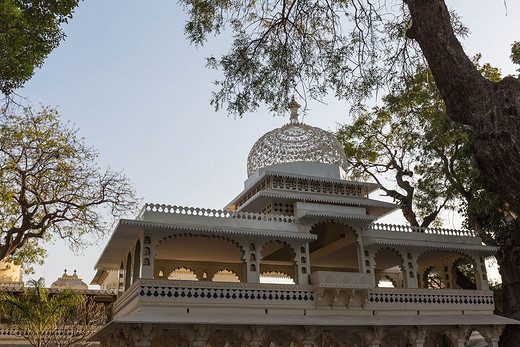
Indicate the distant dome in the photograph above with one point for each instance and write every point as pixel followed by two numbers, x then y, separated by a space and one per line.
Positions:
pixel 295 142
pixel 69 281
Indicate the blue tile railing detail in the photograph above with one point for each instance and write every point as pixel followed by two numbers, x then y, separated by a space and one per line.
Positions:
pixel 430 298
pixel 227 293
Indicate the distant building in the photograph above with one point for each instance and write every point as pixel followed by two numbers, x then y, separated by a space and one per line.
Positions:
pixel 10 274
pixel 69 281
pixel 189 276
pixel 12 283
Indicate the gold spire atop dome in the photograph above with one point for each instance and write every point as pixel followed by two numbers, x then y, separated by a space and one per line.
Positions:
pixel 294 106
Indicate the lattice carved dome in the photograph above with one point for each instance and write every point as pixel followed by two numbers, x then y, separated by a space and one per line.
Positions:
pixel 295 142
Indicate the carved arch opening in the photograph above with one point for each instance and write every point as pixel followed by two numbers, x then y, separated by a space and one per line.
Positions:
pixel 226 275
pixel 389 268
pixel 120 280
pixel 465 272
pixel 278 277
pixel 336 249
pixel 476 335
pixel 137 262
pixel 434 278
pixel 204 254
pixel 128 271
pixel 183 274
pixel 443 270
pixel 277 257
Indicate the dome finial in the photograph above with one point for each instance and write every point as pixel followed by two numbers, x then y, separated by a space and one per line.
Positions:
pixel 294 106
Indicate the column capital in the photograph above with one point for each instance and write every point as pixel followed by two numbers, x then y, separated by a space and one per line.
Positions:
pixel 374 335
pixel 459 335
pixel 254 335
pixel 417 335
pixel 491 333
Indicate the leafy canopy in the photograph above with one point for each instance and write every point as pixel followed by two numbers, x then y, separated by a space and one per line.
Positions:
pixel 51 186
pixel 515 53
pixel 308 48
pixel 395 142
pixel 411 141
pixel 29 31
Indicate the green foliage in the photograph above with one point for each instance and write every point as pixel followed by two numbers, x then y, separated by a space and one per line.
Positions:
pixel 29 31
pixel 51 186
pixel 412 141
pixel 465 274
pixel 40 316
pixel 308 48
pixel 401 141
pixel 434 279
pixel 32 253
pixel 515 53
pixel 37 311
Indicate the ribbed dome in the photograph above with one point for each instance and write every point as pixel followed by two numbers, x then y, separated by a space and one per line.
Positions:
pixel 295 142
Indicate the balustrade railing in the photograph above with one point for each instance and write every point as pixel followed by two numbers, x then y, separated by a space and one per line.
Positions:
pixel 423 230
pixel 12 285
pixel 339 292
pixel 69 331
pixel 204 212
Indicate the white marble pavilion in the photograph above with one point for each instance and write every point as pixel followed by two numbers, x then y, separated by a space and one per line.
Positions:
pixel 198 277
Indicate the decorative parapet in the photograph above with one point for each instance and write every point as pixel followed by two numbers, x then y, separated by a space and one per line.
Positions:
pixel 10 332
pixel 334 292
pixel 215 293
pixel 244 295
pixel 423 230
pixel 212 213
pixel 317 186
pixel 391 298
pixel 11 286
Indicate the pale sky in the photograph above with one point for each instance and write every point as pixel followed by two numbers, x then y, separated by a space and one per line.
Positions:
pixel 139 93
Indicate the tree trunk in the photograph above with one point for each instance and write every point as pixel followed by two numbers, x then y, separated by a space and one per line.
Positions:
pixel 493 109
pixel 508 259
pixel 462 281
